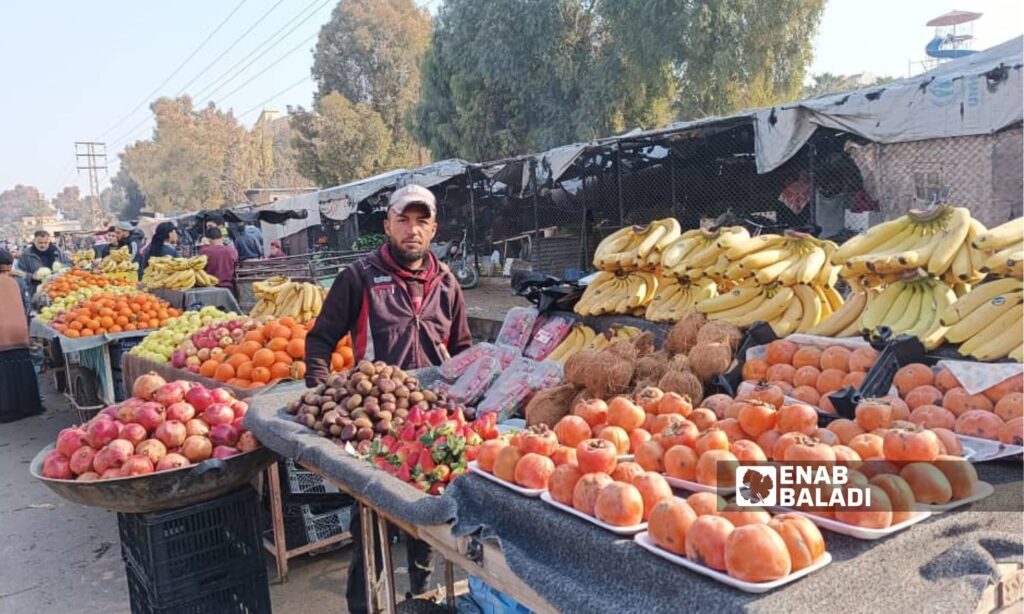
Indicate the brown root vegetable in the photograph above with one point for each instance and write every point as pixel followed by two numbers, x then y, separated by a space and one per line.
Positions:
pixel 550 405
pixel 683 382
pixel 710 359
pixel 683 335
pixel 720 332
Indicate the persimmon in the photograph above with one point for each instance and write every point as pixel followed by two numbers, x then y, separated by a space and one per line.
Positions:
pixel 717 468
pixel 533 471
pixel 742 516
pixel 1012 432
pixel 862 359
pixel 703 418
pixel 835 357
pixel 487 453
pixel 706 539
pixel 807 394
pixel 562 482
pixel 505 462
pixel 572 430
pixel 617 436
pixel 1010 406
pixel 757 417
pixel 279 370
pixel 979 423
pixel 637 438
pixel 596 455
pixel 806 376
pixel 668 523
pixel 619 504
pixel 780 351
pixel 901 497
pixel 626 472
pixel 260 375
pixel 651 456
pixel 781 372
pixel 931 416
pixel 706 503
pixel 755 369
pixel 587 490
pixel 929 484
pixel 681 463
pixel 797 418
pixel 871 414
pixel 625 414
pixel 877 515
pixel 296 348
pixel 564 455
pixel 807 356
pixel 802 538
pixel 960 473
pixel 653 489
pixel 682 434
pixel 746 450
pixel 913 376
pixel 908 445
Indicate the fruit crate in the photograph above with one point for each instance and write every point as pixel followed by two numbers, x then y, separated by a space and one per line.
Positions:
pixel 187 545
pixel 309 523
pixel 301 486
pixel 228 592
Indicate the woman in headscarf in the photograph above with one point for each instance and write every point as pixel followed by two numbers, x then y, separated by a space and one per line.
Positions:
pixel 165 237
pixel 19 388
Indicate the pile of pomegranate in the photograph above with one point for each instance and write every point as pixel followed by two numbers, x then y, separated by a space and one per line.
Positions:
pixel 164 426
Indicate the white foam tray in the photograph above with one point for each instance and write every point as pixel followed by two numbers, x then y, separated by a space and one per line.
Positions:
pixel 630 530
pixel 698 487
pixel 644 541
pixel 854 531
pixel 981 490
pixel 526 492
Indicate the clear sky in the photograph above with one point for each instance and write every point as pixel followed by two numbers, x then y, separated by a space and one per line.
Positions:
pixel 83 70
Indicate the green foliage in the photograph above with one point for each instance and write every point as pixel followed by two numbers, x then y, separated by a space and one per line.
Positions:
pixel 123 198
pixel 508 76
pixel 340 141
pixel 21 201
pixel 369 241
pixel 369 52
pixel 197 159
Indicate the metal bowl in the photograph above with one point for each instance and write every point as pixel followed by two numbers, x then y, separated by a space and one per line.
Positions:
pixel 161 490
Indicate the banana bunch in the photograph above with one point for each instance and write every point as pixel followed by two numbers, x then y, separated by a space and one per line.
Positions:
pixel 787 309
pixel 986 321
pixel 83 258
pixel 582 338
pixel 177 273
pixel 623 293
pixel 845 320
pixel 911 307
pixel 280 297
pixel 677 298
pixel 788 259
pixel 937 240
pixel 701 253
pixel 636 247
pixel 1002 249
pixel 119 261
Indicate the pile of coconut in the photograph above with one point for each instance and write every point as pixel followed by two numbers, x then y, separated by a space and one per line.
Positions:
pixel 694 353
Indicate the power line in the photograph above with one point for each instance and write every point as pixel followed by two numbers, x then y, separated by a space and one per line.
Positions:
pixel 230 47
pixel 210 94
pixel 146 100
pixel 273 64
pixel 282 92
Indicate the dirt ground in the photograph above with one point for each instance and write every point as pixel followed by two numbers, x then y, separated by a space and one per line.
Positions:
pixel 59 556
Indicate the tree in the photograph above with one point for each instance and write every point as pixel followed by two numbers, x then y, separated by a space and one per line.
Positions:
pixel 828 83
pixel 508 76
pixel 123 198
pixel 340 141
pixel 21 201
pixel 278 135
pixel 197 159
pixel 370 52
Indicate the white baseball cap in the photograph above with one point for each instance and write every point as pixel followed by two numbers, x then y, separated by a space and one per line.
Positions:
pixel 412 194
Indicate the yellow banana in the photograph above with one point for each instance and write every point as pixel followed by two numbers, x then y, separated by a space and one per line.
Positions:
pixel 1001 236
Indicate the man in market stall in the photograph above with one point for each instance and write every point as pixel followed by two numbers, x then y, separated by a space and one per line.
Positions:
pixel 125 234
pixel 402 307
pixel 221 259
pixel 42 254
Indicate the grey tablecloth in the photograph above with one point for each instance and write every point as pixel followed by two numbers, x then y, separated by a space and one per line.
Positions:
pixel 942 564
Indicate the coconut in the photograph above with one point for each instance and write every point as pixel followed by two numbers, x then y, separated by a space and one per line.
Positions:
pixel 550 405
pixel 683 335
pixel 576 366
pixel 621 348
pixel 680 362
pixel 644 344
pixel 610 372
pixel 720 332
pixel 710 359
pixel 683 382
pixel 651 367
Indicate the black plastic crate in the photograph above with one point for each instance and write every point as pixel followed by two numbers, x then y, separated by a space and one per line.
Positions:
pixel 228 592
pixel 197 541
pixel 121 347
pixel 301 486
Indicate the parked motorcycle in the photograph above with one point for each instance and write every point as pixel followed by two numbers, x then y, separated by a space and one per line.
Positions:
pixel 456 255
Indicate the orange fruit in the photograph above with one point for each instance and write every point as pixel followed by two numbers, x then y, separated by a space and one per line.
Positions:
pixel 249 348
pixel 278 344
pixel 76 325
pixel 208 367
pixel 282 357
pixel 237 382
pixel 297 348
pixel 72 333
pixel 337 362
pixel 261 374
pixel 115 329
pixel 279 330
pixel 347 356
pixel 288 321
pixel 254 335
pixel 263 358
pixel 87 332
pixel 224 372
pixel 244 370
pixel 236 360
pixel 280 370
pixel 298 332
pixel 300 369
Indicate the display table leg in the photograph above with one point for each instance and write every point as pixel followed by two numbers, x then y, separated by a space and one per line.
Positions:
pixel 449 585
pixel 387 565
pixel 277 520
pixel 366 517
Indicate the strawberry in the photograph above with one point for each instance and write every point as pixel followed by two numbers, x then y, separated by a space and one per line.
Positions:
pixel 421 485
pixel 459 417
pixel 415 416
pixel 404 473
pixel 426 463
pixel 437 489
pixel 471 453
pixel 442 473
pixel 413 457
pixel 409 432
pixel 435 417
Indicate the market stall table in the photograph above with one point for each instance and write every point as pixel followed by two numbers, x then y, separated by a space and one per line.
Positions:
pixel 549 560
pixel 197 298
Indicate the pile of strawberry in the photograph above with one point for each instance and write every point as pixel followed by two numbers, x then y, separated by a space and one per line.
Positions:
pixel 432 448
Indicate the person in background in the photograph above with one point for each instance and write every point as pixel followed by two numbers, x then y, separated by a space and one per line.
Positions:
pixel 127 235
pixel 19 387
pixel 101 246
pixel 248 242
pixel 41 254
pixel 221 259
pixel 165 237
pixel 275 250
pixel 405 308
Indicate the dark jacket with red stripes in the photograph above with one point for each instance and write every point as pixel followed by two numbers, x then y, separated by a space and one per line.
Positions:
pixel 371 299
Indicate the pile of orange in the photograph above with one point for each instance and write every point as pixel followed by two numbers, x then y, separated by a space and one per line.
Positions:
pixel 342 358
pixel 76 279
pixel 114 313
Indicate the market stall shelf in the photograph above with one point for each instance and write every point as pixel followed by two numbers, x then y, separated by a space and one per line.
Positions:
pixel 644 540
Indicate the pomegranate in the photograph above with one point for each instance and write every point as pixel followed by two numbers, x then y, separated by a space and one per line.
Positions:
pixel 218 413
pixel 199 397
pixel 120 451
pixel 240 408
pixel 248 442
pixel 81 461
pixel 181 411
pixel 137 465
pixel 196 426
pixel 224 435
pixel 222 395
pixel 172 460
pixel 150 415
pixel 169 394
pixel 102 432
pixel 57 467
pixel 153 449
pixel 133 432
pixel 112 474
pixel 172 433
pixel 102 461
pixel 196 448
pixel 146 385
pixel 70 439
pixel 88 476
pixel 223 452
pixel 109 411
pixel 126 411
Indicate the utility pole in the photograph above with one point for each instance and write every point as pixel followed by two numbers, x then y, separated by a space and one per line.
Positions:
pixel 91 156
